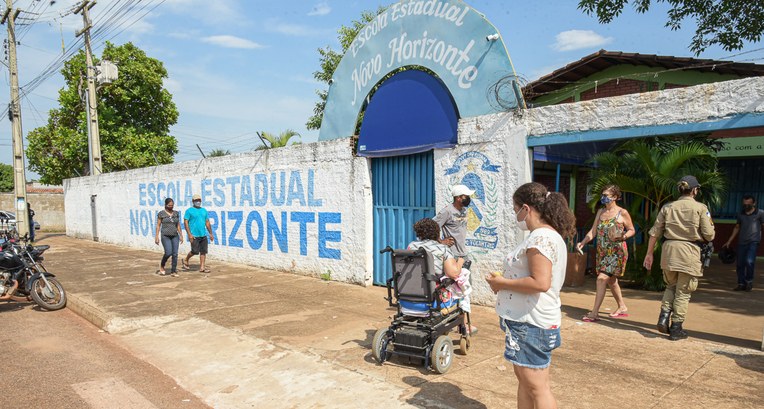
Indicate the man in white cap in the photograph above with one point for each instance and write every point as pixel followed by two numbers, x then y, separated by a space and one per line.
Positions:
pixel 452 220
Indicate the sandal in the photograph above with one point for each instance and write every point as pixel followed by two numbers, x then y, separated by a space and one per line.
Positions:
pixel 174 274
pixel 587 318
pixel 205 270
pixel 184 265
pixel 160 273
pixel 619 314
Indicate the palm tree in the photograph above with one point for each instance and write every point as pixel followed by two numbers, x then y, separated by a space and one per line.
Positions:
pixel 218 152
pixel 648 170
pixel 273 141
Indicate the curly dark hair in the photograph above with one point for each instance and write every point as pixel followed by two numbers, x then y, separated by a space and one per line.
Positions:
pixel 552 205
pixel 427 229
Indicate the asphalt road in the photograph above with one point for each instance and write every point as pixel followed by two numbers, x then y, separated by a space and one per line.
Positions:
pixel 57 359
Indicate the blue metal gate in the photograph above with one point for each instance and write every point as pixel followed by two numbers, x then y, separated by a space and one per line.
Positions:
pixel 403 189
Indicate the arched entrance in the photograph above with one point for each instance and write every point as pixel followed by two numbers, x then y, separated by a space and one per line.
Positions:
pixel 411 114
pixel 414 112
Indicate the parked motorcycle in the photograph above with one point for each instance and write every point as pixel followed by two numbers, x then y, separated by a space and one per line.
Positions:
pixel 24 277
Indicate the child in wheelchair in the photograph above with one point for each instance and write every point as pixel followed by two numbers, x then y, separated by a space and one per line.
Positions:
pixel 429 287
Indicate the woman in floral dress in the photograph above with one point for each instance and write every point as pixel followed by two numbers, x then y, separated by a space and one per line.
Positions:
pixel 612 227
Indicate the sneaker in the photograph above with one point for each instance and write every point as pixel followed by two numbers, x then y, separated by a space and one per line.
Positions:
pixel 740 287
pixel 749 287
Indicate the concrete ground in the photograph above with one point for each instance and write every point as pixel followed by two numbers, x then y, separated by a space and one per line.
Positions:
pixel 247 337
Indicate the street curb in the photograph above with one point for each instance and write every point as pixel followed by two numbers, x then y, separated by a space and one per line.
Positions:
pixel 88 310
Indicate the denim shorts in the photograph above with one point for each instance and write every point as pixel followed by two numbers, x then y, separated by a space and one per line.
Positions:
pixel 527 345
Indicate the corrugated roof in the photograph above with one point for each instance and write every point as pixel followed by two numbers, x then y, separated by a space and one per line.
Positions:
pixel 603 59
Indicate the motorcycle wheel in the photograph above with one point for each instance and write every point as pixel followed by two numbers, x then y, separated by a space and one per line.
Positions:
pixel 51 300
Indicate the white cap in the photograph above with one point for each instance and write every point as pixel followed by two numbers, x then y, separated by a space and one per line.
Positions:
pixel 459 190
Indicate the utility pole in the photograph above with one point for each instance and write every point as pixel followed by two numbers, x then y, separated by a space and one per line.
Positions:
pixel 94 141
pixel 14 114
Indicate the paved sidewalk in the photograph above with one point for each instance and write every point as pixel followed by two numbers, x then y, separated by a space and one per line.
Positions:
pixel 247 337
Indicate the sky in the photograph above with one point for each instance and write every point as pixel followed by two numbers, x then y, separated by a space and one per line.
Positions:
pixel 240 66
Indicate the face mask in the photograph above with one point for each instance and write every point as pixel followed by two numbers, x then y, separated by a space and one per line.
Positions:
pixel 521 223
pixel 605 199
pixel 466 201
pixel 198 204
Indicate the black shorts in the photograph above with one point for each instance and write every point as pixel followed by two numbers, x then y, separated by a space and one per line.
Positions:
pixel 199 245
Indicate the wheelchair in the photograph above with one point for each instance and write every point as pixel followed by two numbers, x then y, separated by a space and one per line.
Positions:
pixel 426 314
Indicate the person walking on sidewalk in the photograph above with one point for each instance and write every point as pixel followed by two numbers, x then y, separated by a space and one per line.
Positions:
pixel 612 226
pixel 685 224
pixel 197 228
pixel 750 222
pixel 528 301
pixel 170 234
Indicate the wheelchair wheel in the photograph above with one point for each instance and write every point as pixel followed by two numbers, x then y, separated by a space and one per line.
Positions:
pixel 442 354
pixel 379 345
pixel 464 345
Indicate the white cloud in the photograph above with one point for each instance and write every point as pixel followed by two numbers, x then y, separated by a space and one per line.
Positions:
pixel 172 85
pixel 320 9
pixel 228 41
pixel 577 39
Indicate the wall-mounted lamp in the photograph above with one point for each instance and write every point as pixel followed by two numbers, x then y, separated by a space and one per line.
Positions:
pixel 492 37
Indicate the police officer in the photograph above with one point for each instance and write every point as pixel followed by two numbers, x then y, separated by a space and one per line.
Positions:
pixel 684 223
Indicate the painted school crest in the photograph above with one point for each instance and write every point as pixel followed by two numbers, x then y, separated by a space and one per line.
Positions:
pixel 475 170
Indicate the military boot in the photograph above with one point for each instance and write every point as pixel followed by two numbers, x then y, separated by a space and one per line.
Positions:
pixel 663 321
pixel 676 332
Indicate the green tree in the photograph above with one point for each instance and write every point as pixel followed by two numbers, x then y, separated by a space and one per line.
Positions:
pixel 725 22
pixel 218 152
pixel 135 115
pixel 648 170
pixel 278 141
pixel 6 177
pixel 330 59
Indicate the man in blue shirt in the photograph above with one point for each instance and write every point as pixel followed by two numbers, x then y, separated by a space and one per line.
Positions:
pixel 197 227
pixel 749 225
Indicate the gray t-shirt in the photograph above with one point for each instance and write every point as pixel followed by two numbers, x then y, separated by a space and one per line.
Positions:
pixel 440 253
pixel 750 226
pixel 453 223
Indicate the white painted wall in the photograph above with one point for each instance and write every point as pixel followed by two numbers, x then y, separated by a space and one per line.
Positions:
pixel 492 149
pixel 699 103
pixel 324 184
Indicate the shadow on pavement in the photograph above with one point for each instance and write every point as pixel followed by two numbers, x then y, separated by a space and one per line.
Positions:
pixel 439 395
pixel 714 289
pixel 649 330
pixel 363 343
pixel 752 362
pixel 12 306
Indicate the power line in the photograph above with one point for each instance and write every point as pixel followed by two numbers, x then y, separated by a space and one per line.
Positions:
pixel 111 21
